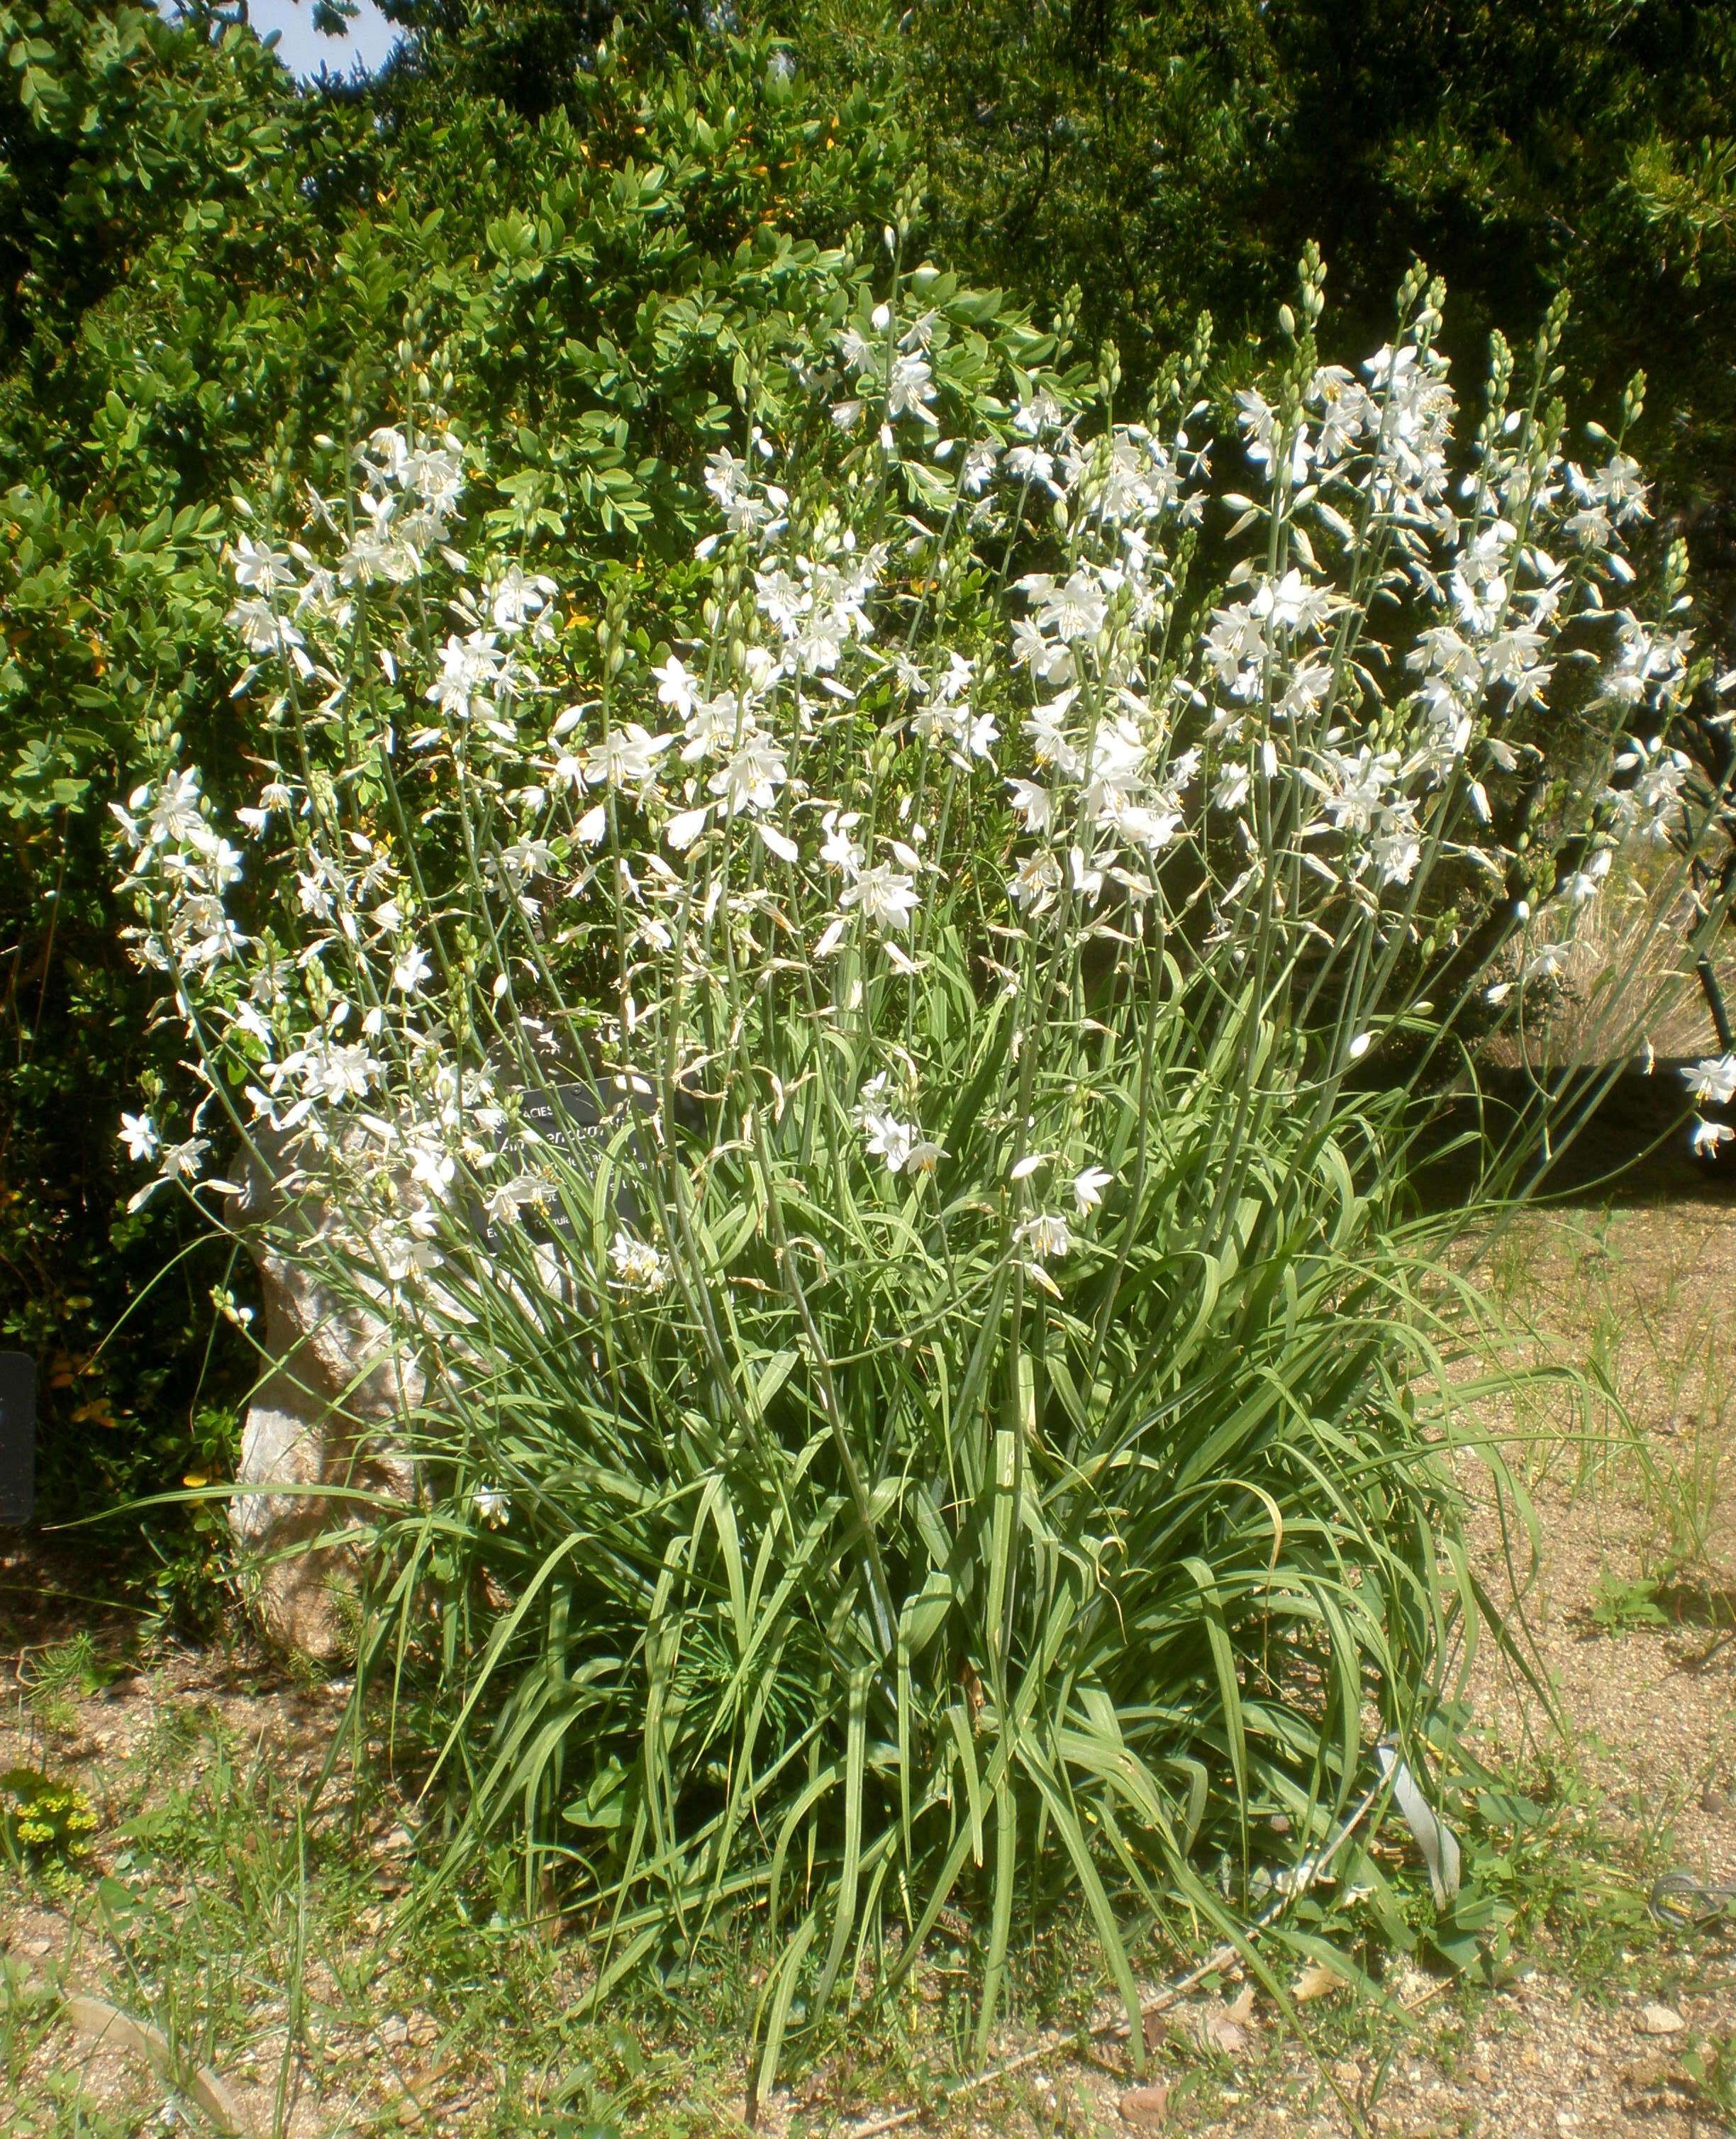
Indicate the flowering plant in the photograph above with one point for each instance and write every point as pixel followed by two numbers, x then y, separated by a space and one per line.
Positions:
pixel 965 1423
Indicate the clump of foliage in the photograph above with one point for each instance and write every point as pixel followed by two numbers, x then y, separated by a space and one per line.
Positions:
pixel 975 1434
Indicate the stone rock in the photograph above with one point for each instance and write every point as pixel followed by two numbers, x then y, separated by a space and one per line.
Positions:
pixel 1661 2020
pixel 327 1416
pixel 1145 2106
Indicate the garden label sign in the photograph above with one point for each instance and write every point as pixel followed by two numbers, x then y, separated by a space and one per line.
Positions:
pixel 567 1117
pixel 18 1437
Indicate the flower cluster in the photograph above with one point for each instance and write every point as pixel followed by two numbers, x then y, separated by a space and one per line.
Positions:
pixel 456 822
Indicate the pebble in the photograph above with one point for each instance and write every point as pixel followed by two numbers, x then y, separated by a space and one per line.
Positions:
pixel 1145 2106
pixel 1661 2020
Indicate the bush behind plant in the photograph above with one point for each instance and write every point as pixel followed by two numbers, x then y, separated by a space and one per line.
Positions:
pixel 212 269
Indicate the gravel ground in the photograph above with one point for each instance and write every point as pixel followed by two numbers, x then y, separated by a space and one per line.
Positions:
pixel 1636 1480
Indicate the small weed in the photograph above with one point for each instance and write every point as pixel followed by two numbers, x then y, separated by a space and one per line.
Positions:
pixel 1687 1494
pixel 1711 2065
pixel 62 1675
pixel 1619 1604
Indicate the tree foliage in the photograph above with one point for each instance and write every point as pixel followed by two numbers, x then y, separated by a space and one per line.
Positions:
pixel 1166 157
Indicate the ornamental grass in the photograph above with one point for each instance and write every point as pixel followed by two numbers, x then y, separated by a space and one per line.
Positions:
pixel 885 1122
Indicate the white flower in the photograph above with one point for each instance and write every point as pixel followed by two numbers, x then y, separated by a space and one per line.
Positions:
pixel 1255 414
pixel 1585 884
pixel 726 476
pixel 518 598
pixel 1074 611
pixel 858 351
pixel 1087 1188
pixel 730 480
pixel 1034 803
pixel 1086 881
pixel 675 687
pixel 138 1134
pixel 710 726
pixel 505 1203
pixel 1045 1235
pixel 751 779
pixel 1230 791
pixel 1619 485
pixel 1712 1080
pixel 181 1162
pixel 1027 464
pixel 912 387
pixel 1296 603
pixel 838 849
pixel 889 1138
pixel 1589 528
pixel 494 1507
pixel 897 1143
pixel 979 734
pixel 431 1167
pixel 1153 829
pixel 1036 881
pixel 184 1161
pixel 1348 410
pixel 1396 849
pixel 222 865
pixel 175 808
pixel 412 970
pixel 1041 412
pixel 258 565
pixel 469 668
pixel 1048 740
pixel 435 473
pixel 979 466
pixel 1048 662
pixel 1708 1135
pixel 886 896
pixel 781 600
pixel 685 827
pixel 638 1267
pixel 626 757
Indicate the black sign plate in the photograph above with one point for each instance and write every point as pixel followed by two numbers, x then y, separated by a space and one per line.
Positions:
pixel 18 1437
pixel 567 1116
